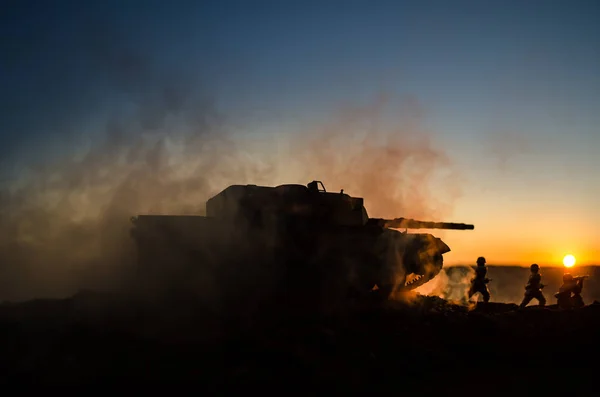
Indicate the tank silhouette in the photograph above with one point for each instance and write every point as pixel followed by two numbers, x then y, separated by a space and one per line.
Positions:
pixel 300 238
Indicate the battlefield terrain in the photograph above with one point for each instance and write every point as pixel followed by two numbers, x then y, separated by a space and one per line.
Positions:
pixel 420 345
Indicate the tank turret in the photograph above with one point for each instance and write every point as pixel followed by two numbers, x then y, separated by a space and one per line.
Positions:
pixel 313 237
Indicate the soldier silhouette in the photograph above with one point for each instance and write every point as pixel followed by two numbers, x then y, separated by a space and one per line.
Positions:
pixel 569 294
pixel 479 283
pixel 534 286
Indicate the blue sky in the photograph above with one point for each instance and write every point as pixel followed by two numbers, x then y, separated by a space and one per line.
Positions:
pixel 510 88
pixel 476 66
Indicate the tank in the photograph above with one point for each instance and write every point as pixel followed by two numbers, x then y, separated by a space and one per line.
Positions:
pixel 292 237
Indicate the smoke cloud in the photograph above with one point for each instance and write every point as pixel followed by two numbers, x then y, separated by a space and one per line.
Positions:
pixel 67 223
pixel 390 161
pixel 451 284
pixel 164 147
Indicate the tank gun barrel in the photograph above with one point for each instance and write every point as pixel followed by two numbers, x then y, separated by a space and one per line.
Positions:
pixel 407 223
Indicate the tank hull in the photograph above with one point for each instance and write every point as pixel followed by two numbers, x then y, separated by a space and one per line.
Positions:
pixel 203 254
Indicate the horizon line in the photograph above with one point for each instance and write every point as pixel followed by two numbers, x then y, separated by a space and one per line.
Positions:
pixel 525 266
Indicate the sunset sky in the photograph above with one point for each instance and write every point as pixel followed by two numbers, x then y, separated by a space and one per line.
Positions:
pixel 484 112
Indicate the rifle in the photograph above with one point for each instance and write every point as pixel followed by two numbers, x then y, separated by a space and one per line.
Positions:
pixel 580 278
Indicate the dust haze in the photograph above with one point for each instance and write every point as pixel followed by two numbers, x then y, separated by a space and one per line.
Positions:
pixel 391 161
pixel 64 222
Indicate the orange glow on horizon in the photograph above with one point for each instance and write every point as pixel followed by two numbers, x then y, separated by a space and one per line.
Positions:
pixel 501 249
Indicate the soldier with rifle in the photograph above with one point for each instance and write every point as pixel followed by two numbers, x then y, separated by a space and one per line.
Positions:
pixel 479 283
pixel 534 287
pixel 569 294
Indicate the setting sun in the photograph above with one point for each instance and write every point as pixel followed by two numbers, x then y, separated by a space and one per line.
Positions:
pixel 569 260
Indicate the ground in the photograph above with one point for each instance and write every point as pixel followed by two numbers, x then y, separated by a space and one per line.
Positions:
pixel 426 346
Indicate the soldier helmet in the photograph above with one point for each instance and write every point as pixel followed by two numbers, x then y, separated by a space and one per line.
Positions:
pixel 534 267
pixel 481 261
pixel 567 277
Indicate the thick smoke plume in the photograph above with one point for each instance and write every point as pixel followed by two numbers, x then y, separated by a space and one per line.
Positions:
pixel 165 147
pixel 66 224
